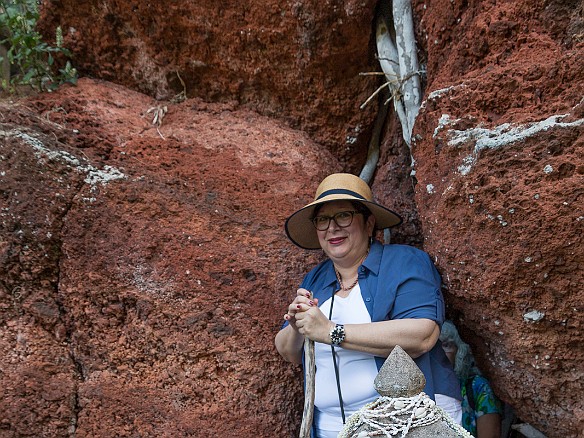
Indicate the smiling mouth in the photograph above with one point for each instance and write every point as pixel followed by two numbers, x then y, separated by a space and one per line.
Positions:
pixel 336 240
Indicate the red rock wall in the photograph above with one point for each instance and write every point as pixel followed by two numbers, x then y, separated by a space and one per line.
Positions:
pixel 500 193
pixel 147 305
pixel 141 292
pixel 296 60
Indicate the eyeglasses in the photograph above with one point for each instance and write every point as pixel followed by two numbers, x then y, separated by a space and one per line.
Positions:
pixel 343 219
pixel 448 345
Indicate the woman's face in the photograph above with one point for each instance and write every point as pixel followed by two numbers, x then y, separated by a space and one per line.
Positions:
pixel 345 245
pixel 450 349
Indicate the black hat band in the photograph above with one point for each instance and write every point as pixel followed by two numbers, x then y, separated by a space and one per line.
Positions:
pixel 340 192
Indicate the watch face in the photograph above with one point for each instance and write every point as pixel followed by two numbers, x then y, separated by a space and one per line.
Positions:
pixel 337 335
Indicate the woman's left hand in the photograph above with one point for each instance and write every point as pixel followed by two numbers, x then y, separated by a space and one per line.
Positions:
pixel 313 324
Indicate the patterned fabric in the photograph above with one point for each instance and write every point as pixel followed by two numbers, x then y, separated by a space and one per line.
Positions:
pixel 485 402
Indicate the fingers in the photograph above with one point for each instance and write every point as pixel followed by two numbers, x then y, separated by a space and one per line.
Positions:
pixel 295 308
pixel 310 323
pixel 304 300
pixel 301 303
pixel 304 293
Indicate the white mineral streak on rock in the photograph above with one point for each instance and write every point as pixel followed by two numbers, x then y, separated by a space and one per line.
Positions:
pixel 533 316
pixel 93 177
pixel 443 122
pixel 40 150
pixel 437 94
pixel 497 137
pixel 107 174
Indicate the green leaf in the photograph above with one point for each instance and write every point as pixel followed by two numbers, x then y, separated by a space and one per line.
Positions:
pixel 33 57
pixel 28 76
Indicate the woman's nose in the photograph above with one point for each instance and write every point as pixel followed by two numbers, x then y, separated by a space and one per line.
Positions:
pixel 333 225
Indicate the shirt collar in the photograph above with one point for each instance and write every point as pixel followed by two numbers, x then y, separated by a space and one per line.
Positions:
pixel 372 263
pixel 373 260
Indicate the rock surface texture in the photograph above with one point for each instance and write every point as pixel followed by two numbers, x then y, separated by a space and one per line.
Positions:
pixel 296 60
pixel 144 270
pixel 500 194
pixel 143 278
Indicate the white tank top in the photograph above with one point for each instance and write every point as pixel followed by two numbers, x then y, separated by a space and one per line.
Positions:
pixel 356 370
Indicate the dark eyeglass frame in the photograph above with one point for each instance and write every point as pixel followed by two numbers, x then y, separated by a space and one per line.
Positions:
pixel 334 218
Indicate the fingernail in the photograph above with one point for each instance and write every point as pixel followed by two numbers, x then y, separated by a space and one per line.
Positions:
pixel 308 295
pixel 298 306
pixel 286 317
pixel 311 303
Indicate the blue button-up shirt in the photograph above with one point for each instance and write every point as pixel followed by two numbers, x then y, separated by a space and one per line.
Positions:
pixel 397 282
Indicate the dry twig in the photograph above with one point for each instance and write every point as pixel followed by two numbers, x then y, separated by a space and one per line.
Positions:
pixel 159 113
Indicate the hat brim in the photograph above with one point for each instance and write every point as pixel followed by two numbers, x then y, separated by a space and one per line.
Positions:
pixel 301 231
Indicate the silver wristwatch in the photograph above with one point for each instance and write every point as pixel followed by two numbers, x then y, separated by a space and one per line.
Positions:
pixel 337 335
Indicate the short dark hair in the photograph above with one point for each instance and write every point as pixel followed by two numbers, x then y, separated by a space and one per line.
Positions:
pixel 360 207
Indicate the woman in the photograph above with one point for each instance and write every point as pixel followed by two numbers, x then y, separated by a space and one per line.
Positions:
pixel 481 409
pixel 361 302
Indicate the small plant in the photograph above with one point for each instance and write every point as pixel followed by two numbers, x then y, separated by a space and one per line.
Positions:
pixel 32 61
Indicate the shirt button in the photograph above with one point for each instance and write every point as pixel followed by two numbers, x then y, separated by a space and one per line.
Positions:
pixel 368 299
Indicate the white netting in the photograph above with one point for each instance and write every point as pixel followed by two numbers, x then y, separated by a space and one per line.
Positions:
pixel 388 416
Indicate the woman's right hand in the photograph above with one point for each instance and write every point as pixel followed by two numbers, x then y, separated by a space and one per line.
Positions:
pixel 290 339
pixel 306 318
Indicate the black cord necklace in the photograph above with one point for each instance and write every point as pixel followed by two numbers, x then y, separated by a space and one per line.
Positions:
pixel 335 358
pixel 336 365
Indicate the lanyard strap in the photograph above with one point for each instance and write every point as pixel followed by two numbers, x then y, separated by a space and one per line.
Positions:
pixel 334 354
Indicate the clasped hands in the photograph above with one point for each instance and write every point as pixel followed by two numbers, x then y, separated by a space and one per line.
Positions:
pixel 305 317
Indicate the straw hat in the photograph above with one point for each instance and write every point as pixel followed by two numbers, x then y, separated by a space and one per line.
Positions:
pixel 336 187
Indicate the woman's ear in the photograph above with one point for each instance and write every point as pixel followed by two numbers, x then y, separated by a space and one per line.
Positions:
pixel 370 225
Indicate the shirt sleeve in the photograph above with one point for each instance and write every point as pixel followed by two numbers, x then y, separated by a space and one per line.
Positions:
pixel 486 402
pixel 418 295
